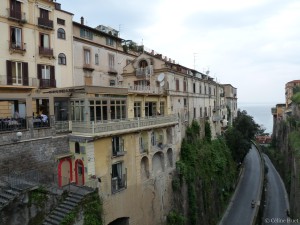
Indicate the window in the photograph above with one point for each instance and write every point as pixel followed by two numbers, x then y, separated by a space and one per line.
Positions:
pixel 153 138
pixel 109 41
pixel 143 64
pixel 162 108
pixel 98 110
pixel 16 37
pixel 118 177
pixel 96 59
pixel 150 108
pixel 87 57
pixel 117 146
pixel 15 9
pixel 177 85
pixel 194 87
pixel 77 148
pixel 137 109
pixel 111 61
pixel 86 34
pixel 46 75
pixel 17 73
pixel 60 21
pixel 118 109
pixel 195 113
pixel 184 85
pixel 201 112
pixel 62 59
pixel 112 83
pixel 200 89
pixel 205 111
pixel 184 102
pixel 44 14
pixel 44 41
pixel 77 110
pixel 61 34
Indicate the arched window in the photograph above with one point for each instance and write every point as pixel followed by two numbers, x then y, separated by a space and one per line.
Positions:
pixel 61 34
pixel 143 64
pixel 62 59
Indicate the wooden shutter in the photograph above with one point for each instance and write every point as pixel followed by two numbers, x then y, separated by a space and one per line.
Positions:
pixel 39 71
pixel 25 74
pixel 9 72
pixel 52 76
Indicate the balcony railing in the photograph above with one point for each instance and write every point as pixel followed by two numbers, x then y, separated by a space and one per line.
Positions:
pixel 146 89
pixel 118 183
pixel 45 23
pixel 33 82
pixel 146 71
pixel 45 51
pixel 47 83
pixel 216 118
pixel 21 46
pixel 111 126
pixel 16 15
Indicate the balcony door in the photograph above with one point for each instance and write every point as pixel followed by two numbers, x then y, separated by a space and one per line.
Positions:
pixel 17 73
pixel 45 41
pixel 16 37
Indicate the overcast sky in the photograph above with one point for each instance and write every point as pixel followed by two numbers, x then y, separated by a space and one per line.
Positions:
pixel 253 45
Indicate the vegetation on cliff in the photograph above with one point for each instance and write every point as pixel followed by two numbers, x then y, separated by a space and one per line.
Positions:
pixel 208 170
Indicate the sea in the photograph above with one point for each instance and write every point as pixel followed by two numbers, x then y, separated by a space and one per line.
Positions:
pixel 261 113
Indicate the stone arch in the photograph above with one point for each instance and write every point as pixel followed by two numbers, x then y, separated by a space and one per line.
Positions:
pixel 170 157
pixel 145 168
pixel 158 163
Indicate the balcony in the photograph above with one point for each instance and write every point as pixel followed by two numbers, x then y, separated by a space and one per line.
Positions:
pixel 33 82
pixel 46 51
pixel 16 15
pixel 17 47
pixel 45 23
pixel 123 126
pixel 47 83
pixel 146 89
pixel 146 71
pixel 118 183
pixel 87 67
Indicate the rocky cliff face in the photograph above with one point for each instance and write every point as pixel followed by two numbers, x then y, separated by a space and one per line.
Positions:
pixel 286 156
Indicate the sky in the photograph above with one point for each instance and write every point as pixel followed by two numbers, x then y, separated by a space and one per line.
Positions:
pixel 252 45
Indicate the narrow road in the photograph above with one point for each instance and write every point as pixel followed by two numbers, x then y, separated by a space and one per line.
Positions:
pixel 239 211
pixel 276 197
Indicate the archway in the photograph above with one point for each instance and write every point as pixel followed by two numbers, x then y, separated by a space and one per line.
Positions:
pixel 65 175
pixel 79 172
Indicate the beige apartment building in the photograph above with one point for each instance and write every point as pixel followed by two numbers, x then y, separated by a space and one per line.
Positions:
pixel 230 94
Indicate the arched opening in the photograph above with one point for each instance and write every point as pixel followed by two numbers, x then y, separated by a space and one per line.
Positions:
pixel 62 60
pixel 145 168
pixel 157 163
pixel 79 172
pixel 64 171
pixel 170 157
pixel 120 221
pixel 143 64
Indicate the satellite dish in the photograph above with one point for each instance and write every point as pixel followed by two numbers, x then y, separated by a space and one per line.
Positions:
pixel 161 77
pixel 162 83
pixel 207 72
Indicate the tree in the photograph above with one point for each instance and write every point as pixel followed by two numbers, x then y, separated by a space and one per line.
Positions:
pixel 238 137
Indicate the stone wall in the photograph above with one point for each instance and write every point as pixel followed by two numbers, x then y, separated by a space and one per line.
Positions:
pixel 36 150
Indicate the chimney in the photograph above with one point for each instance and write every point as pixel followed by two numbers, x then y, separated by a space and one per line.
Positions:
pixel 82 20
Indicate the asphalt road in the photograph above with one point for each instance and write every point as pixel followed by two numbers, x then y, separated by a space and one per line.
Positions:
pixel 240 211
pixel 276 197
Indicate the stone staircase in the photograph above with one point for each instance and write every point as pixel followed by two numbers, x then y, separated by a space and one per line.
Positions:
pixel 9 193
pixel 76 195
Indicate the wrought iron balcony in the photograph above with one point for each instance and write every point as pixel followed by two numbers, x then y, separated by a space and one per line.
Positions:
pixel 46 23
pixel 16 15
pixel 46 51
pixel 47 83
pixel 146 71
pixel 31 81
pixel 17 46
